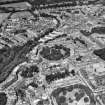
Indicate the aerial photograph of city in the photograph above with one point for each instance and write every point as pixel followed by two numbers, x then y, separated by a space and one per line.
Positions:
pixel 52 52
